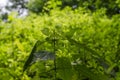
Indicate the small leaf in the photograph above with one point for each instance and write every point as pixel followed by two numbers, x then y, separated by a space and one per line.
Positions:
pixel 19 45
pixel 110 70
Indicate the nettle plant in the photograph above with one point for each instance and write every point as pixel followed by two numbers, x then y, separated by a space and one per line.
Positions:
pixel 64 45
pixel 76 46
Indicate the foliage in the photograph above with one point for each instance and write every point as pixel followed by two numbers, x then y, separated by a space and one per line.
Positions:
pixel 86 45
pixel 112 7
pixel 37 6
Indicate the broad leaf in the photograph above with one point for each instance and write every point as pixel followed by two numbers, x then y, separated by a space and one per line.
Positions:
pixel 85 71
pixel 64 68
pixel 38 55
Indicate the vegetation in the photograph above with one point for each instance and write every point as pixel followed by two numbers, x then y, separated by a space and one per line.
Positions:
pixel 61 44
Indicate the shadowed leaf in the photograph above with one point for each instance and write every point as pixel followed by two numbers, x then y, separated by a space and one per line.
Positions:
pixel 37 55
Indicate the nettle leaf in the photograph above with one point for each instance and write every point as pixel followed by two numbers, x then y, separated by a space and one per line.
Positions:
pixel 38 55
pixel 29 60
pixel 85 71
pixel 64 68
pixel 84 46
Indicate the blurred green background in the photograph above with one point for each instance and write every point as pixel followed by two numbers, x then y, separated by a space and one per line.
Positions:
pixel 84 35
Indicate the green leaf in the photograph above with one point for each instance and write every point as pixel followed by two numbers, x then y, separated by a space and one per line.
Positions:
pixel 110 70
pixel 30 58
pixel 85 71
pixel 64 68
pixel 38 55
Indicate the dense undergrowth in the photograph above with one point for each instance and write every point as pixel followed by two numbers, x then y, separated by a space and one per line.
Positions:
pixel 87 45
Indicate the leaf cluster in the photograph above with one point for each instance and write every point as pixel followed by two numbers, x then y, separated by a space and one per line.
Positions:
pixel 71 45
